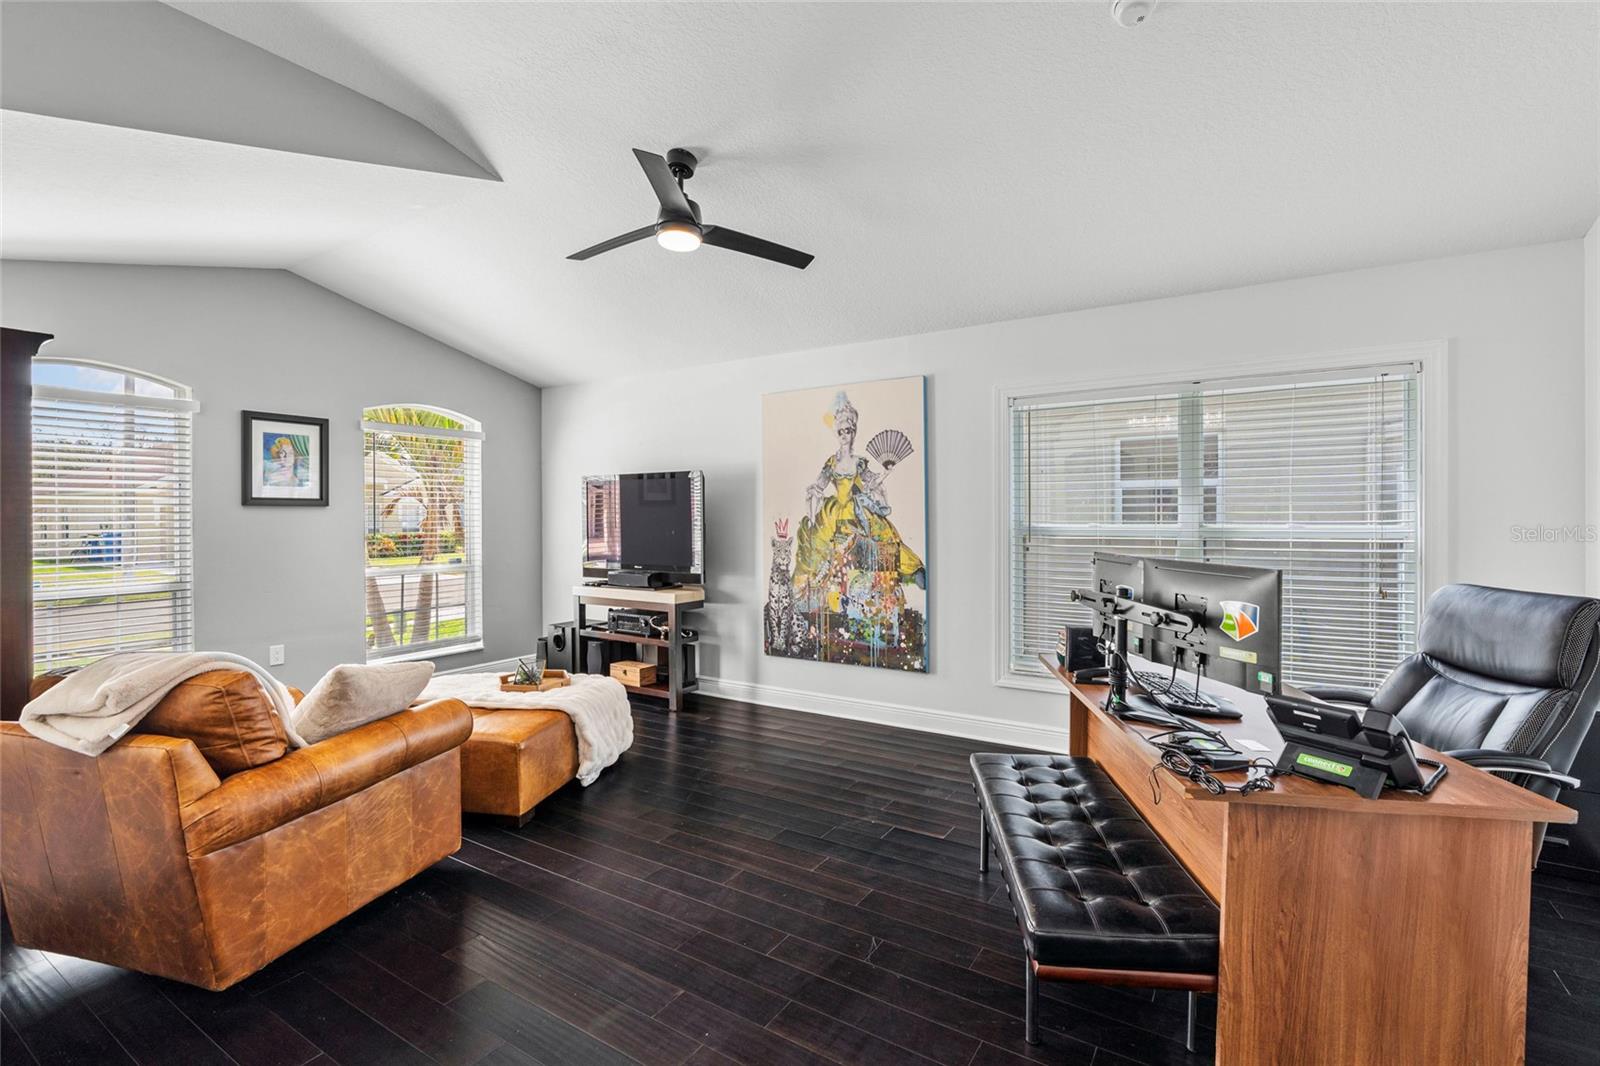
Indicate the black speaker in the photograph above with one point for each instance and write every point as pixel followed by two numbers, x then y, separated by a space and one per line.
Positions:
pixel 560 642
pixel 688 665
pixel 1077 648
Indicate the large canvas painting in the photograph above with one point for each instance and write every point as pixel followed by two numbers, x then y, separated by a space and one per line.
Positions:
pixel 844 497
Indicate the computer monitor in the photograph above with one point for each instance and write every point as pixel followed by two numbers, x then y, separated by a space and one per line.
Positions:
pixel 1112 571
pixel 1238 615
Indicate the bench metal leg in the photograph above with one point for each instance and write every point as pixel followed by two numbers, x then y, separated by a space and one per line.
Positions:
pixel 983 843
pixel 1030 1016
pixel 1194 1004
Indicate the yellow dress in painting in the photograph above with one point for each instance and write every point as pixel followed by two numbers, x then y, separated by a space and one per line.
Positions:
pixel 850 532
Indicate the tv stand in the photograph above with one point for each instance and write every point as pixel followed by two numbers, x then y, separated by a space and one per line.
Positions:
pixel 674 602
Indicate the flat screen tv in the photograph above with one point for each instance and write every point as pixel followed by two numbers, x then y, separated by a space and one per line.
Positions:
pixel 653 522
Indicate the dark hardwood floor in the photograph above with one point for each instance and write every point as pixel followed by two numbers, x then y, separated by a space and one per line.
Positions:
pixel 749 885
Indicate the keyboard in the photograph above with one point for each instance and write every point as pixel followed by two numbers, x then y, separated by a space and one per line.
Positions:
pixel 1178 695
pixel 1165 686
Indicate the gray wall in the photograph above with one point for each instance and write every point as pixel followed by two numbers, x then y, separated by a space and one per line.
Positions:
pixel 1513 320
pixel 267 340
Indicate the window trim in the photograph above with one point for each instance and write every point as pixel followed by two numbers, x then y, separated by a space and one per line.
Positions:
pixel 1435 558
pixel 182 398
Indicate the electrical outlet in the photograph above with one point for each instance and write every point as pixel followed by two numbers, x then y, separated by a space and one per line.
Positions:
pixel 275 655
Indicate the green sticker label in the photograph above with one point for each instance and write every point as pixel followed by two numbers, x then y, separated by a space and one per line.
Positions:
pixel 1237 655
pixel 1264 676
pixel 1317 762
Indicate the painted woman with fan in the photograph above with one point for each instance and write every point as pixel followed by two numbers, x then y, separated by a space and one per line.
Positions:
pixel 847 549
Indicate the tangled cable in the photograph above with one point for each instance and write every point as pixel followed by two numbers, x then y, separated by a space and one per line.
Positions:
pixel 1178 763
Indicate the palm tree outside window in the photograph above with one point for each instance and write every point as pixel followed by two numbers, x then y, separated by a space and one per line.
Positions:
pixel 423 504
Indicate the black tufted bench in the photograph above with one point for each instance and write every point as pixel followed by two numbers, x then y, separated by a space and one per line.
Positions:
pixel 1097 894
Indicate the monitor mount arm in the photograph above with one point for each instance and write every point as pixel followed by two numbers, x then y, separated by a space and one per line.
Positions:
pixel 1118 608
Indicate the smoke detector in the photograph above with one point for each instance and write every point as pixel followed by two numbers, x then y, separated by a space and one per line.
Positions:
pixel 1131 12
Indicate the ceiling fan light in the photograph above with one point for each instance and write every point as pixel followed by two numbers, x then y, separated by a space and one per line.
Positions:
pixel 678 236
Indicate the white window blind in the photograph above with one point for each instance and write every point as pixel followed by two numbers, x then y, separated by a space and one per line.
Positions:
pixel 113 562
pixel 424 568
pixel 1316 476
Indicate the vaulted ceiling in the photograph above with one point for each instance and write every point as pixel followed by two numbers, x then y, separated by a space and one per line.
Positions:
pixel 948 164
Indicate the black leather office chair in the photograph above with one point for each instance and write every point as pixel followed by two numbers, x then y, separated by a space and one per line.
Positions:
pixel 1502 680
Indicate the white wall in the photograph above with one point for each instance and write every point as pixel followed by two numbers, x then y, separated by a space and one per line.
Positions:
pixel 1591 344
pixel 267 340
pixel 1513 319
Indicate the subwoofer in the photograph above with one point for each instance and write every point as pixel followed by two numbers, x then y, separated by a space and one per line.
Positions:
pixel 561 642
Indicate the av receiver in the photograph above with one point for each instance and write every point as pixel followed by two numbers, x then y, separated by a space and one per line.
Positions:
pixel 637 623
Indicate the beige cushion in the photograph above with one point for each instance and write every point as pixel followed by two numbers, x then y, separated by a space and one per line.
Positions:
pixel 348 696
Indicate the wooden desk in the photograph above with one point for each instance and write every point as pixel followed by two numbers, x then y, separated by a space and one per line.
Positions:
pixel 673 602
pixel 1362 931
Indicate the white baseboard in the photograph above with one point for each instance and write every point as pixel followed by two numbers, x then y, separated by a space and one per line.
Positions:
pixel 999 731
pixel 949 723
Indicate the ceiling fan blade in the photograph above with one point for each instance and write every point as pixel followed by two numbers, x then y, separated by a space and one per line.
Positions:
pixel 666 186
pixel 615 242
pixel 734 241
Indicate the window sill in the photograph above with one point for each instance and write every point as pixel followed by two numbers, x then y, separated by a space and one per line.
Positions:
pixel 1029 682
pixel 426 653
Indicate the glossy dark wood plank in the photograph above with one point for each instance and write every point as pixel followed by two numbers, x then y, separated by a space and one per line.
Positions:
pixel 345 1033
pixel 12 1048
pixel 784 919
pixel 898 1027
pixel 674 905
pixel 734 1036
pixel 49 1016
pixel 535 1031
pixel 429 1026
pixel 607 1019
pixel 248 1031
pixel 153 1031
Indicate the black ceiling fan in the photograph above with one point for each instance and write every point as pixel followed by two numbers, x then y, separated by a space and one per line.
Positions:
pixel 678 227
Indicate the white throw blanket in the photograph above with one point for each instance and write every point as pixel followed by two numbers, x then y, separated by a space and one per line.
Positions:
pixel 598 707
pixel 91 710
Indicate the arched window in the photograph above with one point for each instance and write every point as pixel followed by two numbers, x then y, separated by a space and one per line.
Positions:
pixel 423 494
pixel 113 559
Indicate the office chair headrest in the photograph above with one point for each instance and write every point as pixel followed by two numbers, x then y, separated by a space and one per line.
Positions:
pixel 1526 638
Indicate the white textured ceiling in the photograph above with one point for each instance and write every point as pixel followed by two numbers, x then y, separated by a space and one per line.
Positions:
pixel 947 164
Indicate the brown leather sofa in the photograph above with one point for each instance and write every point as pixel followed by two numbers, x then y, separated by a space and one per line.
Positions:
pixel 201 847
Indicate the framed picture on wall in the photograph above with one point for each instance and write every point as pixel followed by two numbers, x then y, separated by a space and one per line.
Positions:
pixel 844 498
pixel 285 460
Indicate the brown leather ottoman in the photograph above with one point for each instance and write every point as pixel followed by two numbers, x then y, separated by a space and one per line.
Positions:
pixel 514 759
